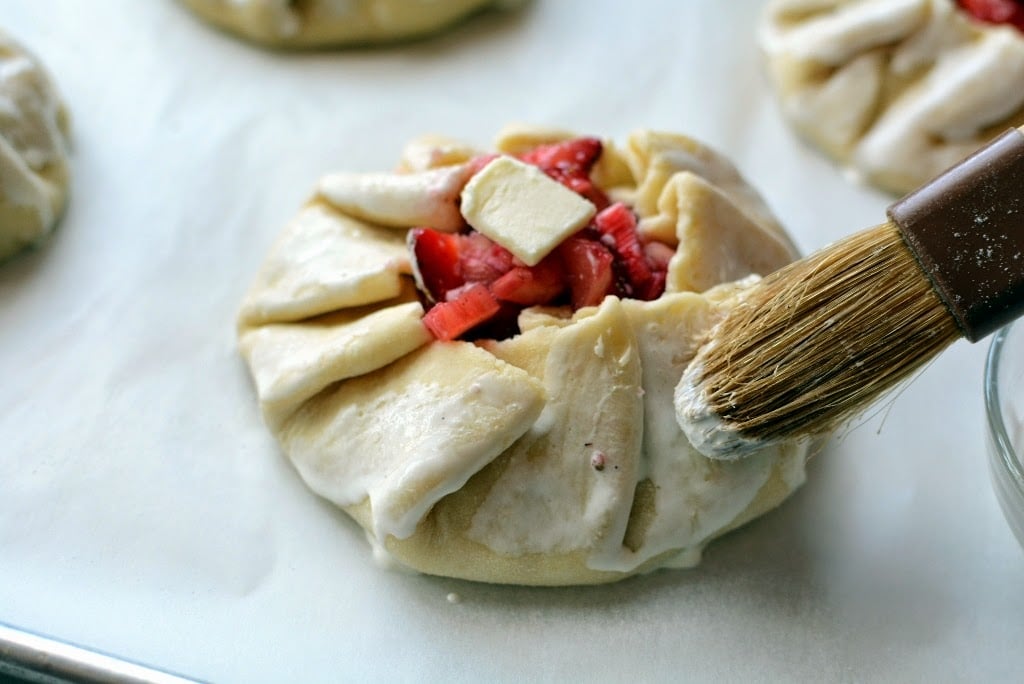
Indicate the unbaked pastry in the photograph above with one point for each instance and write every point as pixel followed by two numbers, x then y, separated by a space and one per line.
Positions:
pixel 898 90
pixel 34 170
pixel 551 456
pixel 317 23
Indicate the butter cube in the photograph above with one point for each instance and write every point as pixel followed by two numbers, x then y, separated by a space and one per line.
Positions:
pixel 522 209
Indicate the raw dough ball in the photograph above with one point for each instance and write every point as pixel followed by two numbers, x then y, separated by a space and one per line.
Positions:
pixel 312 23
pixel 34 170
pixel 551 457
pixel 898 90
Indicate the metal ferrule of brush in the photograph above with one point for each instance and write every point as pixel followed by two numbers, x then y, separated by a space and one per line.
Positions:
pixel 966 230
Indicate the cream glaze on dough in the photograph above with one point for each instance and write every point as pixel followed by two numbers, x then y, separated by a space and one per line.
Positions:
pixel 318 23
pixel 477 460
pixel 897 90
pixel 34 171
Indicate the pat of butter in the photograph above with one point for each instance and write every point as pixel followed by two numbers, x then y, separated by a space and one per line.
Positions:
pixel 522 209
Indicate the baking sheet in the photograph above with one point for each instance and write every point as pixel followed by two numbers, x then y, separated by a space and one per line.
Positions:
pixel 145 511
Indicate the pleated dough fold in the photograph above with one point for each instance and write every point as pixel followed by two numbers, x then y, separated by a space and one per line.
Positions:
pixel 897 90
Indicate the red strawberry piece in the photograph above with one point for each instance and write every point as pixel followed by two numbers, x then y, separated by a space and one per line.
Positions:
pixel 569 162
pixel 482 260
pixel 996 11
pixel 569 156
pixel 444 261
pixel 654 287
pixel 588 266
pixel 530 286
pixel 435 261
pixel 658 255
pixel 470 306
pixel 582 185
pixel 617 225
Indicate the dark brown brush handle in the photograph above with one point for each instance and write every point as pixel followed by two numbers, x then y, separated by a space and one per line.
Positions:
pixel 966 229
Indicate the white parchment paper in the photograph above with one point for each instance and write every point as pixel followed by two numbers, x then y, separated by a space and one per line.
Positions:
pixel 145 511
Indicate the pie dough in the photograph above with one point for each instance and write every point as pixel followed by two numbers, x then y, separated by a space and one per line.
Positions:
pixel 549 458
pixel 34 171
pixel 315 23
pixel 898 90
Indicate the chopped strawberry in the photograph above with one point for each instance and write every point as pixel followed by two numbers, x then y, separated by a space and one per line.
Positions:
pixel 654 287
pixel 996 11
pixel 446 261
pixel 474 304
pixel 569 162
pixel 658 256
pixel 436 261
pixel 476 288
pixel 569 156
pixel 530 286
pixel 618 222
pixel 617 225
pixel 588 266
pixel 582 185
pixel 482 260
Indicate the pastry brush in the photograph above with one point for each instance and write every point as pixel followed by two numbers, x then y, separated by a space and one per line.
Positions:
pixel 808 347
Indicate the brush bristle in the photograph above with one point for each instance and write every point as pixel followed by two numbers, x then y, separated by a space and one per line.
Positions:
pixel 810 346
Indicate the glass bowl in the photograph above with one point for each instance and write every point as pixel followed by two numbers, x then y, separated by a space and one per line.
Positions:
pixel 1004 406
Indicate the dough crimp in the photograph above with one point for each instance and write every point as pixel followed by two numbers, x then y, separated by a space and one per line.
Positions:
pixel 896 90
pixel 323 23
pixel 552 457
pixel 34 140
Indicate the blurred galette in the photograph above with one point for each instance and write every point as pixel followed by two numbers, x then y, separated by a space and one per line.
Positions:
pixel 323 23
pixel 34 168
pixel 897 90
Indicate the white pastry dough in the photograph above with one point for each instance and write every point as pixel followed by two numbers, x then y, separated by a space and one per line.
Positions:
pixel 34 172
pixel 552 457
pixel 313 23
pixel 898 90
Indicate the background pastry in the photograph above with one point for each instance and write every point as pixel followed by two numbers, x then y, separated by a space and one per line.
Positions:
pixel 537 445
pixel 34 171
pixel 312 23
pixel 898 90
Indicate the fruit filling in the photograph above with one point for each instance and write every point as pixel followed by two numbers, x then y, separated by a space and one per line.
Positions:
pixel 996 11
pixel 473 287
